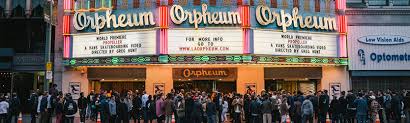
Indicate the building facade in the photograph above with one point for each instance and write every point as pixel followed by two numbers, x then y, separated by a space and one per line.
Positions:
pixel 23 47
pixel 378 44
pixel 209 45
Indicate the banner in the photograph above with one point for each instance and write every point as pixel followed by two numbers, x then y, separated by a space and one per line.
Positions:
pixel 295 44
pixel 210 41
pixel 115 44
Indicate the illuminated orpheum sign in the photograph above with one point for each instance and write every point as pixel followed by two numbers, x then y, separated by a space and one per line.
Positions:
pixel 265 16
pixel 97 22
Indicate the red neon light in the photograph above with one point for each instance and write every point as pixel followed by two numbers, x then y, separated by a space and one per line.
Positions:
pixel 66 24
pixel 163 20
pixel 244 10
pixel 163 41
pixel 66 53
pixel 342 46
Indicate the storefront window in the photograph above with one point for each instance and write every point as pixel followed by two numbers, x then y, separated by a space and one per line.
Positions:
pixel 378 2
pixel 380 83
pixel 401 2
pixel 304 86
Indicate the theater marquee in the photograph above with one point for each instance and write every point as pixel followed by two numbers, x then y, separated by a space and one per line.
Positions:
pixel 210 41
pixel 295 44
pixel 114 44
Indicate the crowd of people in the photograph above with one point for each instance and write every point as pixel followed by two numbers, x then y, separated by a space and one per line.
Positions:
pixel 216 107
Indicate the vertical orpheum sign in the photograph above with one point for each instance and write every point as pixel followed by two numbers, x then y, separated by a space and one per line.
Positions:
pixel 163 25
pixel 342 21
pixel 67 6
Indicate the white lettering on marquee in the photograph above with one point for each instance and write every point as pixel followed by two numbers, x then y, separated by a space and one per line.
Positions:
pixel 98 22
pixel 265 16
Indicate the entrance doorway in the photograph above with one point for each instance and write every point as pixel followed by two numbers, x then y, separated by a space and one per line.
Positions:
pixel 206 85
pixel 119 86
pixel 291 85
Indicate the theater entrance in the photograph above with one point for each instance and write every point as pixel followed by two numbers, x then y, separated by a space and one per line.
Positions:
pixel 116 79
pixel 205 79
pixel 206 86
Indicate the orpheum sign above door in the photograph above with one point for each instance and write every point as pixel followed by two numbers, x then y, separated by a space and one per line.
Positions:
pixel 204 73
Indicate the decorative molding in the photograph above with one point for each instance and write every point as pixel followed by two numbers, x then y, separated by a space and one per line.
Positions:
pixel 378 12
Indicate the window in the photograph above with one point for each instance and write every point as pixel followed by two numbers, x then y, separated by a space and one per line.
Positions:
pixel 378 2
pixel 401 2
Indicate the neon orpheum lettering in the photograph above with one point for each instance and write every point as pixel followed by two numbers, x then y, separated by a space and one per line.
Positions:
pixel 179 15
pixel 203 73
pixel 82 21
pixel 265 16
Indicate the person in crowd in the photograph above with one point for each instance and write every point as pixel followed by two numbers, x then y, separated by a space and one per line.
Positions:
pixel 42 108
pixel 225 107
pixel 149 110
pixel 323 106
pixel 103 107
pixel 343 107
pixel 407 106
pixel 335 109
pixel 70 109
pixel 307 111
pixel 168 108
pixel 283 108
pixel 82 105
pixel 197 110
pixel 137 107
pixel 91 110
pixel 361 108
pixel 211 111
pixel 32 101
pixel 396 107
pixel 246 107
pixel 374 109
pixel 255 110
pixel 4 107
pixel 159 108
pixel 14 107
pixel 128 101
pixel 275 109
pixel 180 109
pixel 237 105
pixel 112 104
pixel 267 108
pixel 122 109
pixel 59 107
pixel 298 109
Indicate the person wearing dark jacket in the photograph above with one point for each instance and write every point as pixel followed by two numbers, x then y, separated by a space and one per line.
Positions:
pixel 43 108
pixel 323 106
pixel 33 100
pixel 70 109
pixel 149 110
pixel 82 105
pixel 59 107
pixel 122 111
pixel 396 107
pixel 267 108
pixel 362 109
pixel 343 106
pixel 350 106
pixel 298 110
pixel 14 107
pixel 246 107
pixel 197 110
pixel 255 110
pixel 335 110
pixel 211 111
pixel 137 105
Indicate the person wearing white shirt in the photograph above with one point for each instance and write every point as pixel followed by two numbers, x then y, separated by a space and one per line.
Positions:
pixel 4 107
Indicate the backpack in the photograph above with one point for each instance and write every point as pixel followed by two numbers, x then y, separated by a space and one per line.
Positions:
pixel 275 104
pixel 71 108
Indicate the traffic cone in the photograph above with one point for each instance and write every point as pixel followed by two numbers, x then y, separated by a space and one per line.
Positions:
pixel 98 118
pixel 328 119
pixel 377 118
pixel 173 118
pixel 20 119
pixel 288 119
